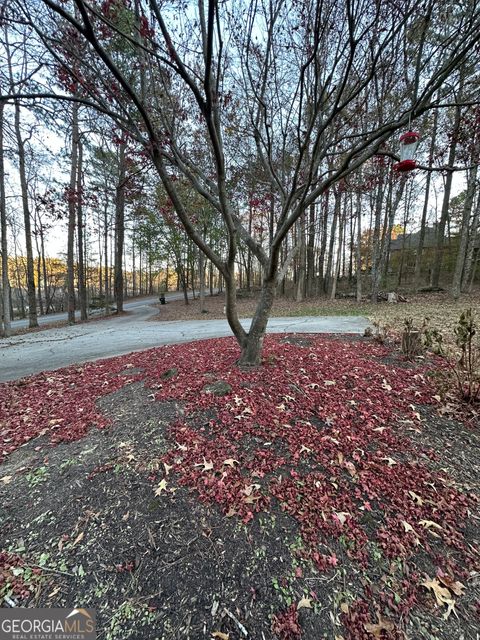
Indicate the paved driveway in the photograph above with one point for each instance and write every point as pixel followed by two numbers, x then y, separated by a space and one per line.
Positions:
pixel 55 348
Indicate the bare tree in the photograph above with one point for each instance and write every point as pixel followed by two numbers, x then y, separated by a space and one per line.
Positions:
pixel 293 80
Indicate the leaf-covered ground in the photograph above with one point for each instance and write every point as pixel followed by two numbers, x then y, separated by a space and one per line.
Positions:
pixel 322 495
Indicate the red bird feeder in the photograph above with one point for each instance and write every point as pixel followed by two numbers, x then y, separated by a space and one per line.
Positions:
pixel 408 147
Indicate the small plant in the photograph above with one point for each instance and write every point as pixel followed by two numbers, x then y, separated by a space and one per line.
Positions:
pixel 432 338
pixel 467 368
pixel 37 476
pixel 381 333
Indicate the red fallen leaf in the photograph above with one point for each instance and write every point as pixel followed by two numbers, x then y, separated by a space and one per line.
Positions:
pixel 334 422
pixel 298 572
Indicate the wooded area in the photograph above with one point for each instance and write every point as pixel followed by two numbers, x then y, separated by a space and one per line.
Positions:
pixel 243 145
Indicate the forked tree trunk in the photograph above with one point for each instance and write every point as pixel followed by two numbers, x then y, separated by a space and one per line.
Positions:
pixel 252 343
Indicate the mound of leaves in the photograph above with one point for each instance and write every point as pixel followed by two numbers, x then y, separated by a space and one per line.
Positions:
pixel 320 431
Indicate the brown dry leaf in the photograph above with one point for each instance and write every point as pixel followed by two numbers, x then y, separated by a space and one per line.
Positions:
pixel 6 479
pixel 408 527
pixel 340 457
pixel 455 587
pixel 382 625
pixel 220 635
pixel 207 466
pixel 230 462
pixel 78 539
pixel 442 595
pixel 231 512
pixel 304 603
pixel 249 488
pixel 429 523
pixel 162 486
pixel 416 498
pixel 390 461
pixel 167 468
pixel 344 607
pixel 329 383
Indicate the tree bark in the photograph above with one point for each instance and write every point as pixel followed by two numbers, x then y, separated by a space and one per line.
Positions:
pixel 252 343
pixel 311 252
pixel 359 247
pixel 119 229
pixel 32 298
pixel 336 273
pixel 333 230
pixel 72 216
pixel 437 265
pixel 106 261
pixel 421 237
pixel 467 282
pixel 465 227
pixel 6 318
pixel 302 259
pixel 82 289
pixel 376 240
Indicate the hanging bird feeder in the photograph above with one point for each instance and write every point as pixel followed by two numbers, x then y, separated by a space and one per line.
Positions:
pixel 408 147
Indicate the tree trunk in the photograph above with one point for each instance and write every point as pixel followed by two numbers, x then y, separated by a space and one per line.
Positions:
pixel 384 251
pixel 333 230
pixel 376 240
pixel 437 265
pixel 311 252
pixel 6 317
pixel 321 288
pixel 38 265
pixel 252 343
pixel 336 273
pixel 359 246
pixel 421 237
pixel 105 251
pixel 72 217
pixel 462 249
pixel 32 298
pixel 470 260
pixel 119 229
pixel 302 259
pixel 82 289
pixel 46 288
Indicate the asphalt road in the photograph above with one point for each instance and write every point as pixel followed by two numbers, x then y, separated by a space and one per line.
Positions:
pixel 54 348
pixel 58 317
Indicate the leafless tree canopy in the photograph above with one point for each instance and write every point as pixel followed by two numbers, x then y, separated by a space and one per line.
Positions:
pixel 306 91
